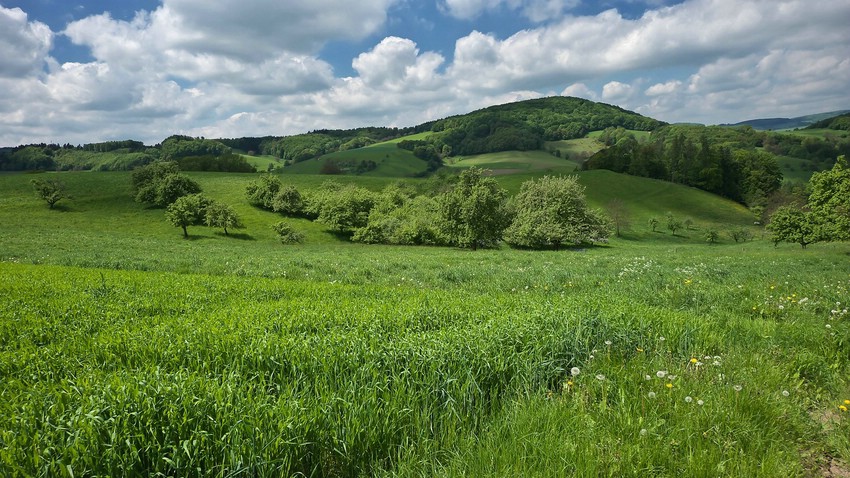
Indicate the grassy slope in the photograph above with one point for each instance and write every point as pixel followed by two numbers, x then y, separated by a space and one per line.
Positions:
pixel 487 336
pixel 392 160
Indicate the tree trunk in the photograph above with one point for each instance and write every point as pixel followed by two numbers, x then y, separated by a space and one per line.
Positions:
pixel 185 233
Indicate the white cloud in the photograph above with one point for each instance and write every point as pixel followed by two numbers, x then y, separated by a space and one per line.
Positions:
pixel 23 44
pixel 663 88
pixel 580 90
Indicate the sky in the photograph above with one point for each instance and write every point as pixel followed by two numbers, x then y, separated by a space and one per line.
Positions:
pixel 80 71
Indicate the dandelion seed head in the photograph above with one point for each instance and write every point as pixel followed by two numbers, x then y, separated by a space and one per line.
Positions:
pixel 575 371
pixel 700 403
pixel 737 388
pixel 643 432
pixel 689 399
pixel 661 373
pixel 600 377
pixel 785 393
pixel 651 394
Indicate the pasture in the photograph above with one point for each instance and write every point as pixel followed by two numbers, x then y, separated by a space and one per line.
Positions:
pixel 126 350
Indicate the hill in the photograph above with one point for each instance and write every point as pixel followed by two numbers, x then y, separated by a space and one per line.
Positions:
pixel 775 124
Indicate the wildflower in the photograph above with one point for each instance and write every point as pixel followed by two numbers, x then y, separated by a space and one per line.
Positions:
pixel 688 281
pixel 689 399
pixel 600 377
pixel 591 357
pixel 694 360
pixel 575 371
pixel 608 343
pixel 737 388
pixel 828 326
pixel 647 377
pixel 843 408
pixel 781 306
pixel 651 394
pixel 661 373
pixel 643 432
pixel 698 364
pixel 662 339
pixel 847 402
pixel 700 403
pixel 639 349
pixel 716 363
pixel 669 385
pixel 785 393
pixel 672 377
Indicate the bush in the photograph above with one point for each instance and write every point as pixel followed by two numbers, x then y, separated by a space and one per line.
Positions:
pixel 287 234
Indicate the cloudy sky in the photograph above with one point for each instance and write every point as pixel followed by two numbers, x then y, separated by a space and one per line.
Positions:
pixel 91 70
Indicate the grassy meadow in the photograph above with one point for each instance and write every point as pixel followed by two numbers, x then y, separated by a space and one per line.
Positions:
pixel 128 351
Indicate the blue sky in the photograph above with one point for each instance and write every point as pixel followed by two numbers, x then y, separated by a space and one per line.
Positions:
pixel 93 70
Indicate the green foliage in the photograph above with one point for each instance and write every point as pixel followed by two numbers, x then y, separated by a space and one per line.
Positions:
pixel 551 212
pixel 223 216
pixel 50 190
pixel 288 201
pixel 653 223
pixel 793 224
pixel 189 210
pixel 160 184
pixel 286 233
pixel 829 200
pixel 226 162
pixel 178 146
pixel 262 192
pixel 400 219
pixel 712 236
pixel 840 122
pixel 619 215
pixel 673 223
pixel 347 209
pixel 525 125
pixel 474 213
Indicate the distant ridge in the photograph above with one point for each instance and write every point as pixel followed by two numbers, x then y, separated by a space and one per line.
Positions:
pixel 765 124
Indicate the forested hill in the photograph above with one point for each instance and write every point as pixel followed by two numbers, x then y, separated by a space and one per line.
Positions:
pixel 525 125
pixel 840 122
pixel 768 124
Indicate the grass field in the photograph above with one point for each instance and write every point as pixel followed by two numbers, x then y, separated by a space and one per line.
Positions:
pixel 128 351
pixel 392 161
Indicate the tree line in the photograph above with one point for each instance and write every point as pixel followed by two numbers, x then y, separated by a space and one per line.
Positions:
pixel 472 212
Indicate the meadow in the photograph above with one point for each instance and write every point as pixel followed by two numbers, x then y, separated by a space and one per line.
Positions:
pixel 128 351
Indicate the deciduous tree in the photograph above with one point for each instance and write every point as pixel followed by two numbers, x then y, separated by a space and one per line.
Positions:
pixel 187 211
pixel 551 212
pixel 50 190
pixel 474 213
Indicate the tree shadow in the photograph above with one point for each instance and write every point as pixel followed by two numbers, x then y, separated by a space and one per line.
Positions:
pixel 238 235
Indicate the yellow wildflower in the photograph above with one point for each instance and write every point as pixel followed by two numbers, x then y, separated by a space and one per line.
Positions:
pixel 669 385
pixel 843 408
pixel 694 360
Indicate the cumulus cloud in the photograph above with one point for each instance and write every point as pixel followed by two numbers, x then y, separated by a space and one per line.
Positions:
pixel 23 44
pixel 226 70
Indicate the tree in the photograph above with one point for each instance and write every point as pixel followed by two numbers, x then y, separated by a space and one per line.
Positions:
pixel 474 213
pixel 712 236
pixel 740 234
pixel 551 212
pixel 261 193
pixel 830 200
pixel 288 201
pixel 653 223
pixel 223 216
pixel 286 233
pixel 160 184
pixel 51 190
pixel 793 224
pixel 619 215
pixel 347 209
pixel 187 211
pixel 673 224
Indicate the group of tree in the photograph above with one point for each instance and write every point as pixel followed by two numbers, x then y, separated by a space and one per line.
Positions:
pixel 738 172
pixel 824 217
pixel 197 209
pixel 160 184
pixel 474 212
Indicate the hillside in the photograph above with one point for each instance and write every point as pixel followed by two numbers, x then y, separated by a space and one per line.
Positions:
pixel 775 124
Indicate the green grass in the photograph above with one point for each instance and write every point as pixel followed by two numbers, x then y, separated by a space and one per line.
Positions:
pixel 514 162
pixel 262 163
pixel 126 350
pixel 392 161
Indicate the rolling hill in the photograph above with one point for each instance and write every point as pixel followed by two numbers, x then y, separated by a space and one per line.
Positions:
pixel 776 124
